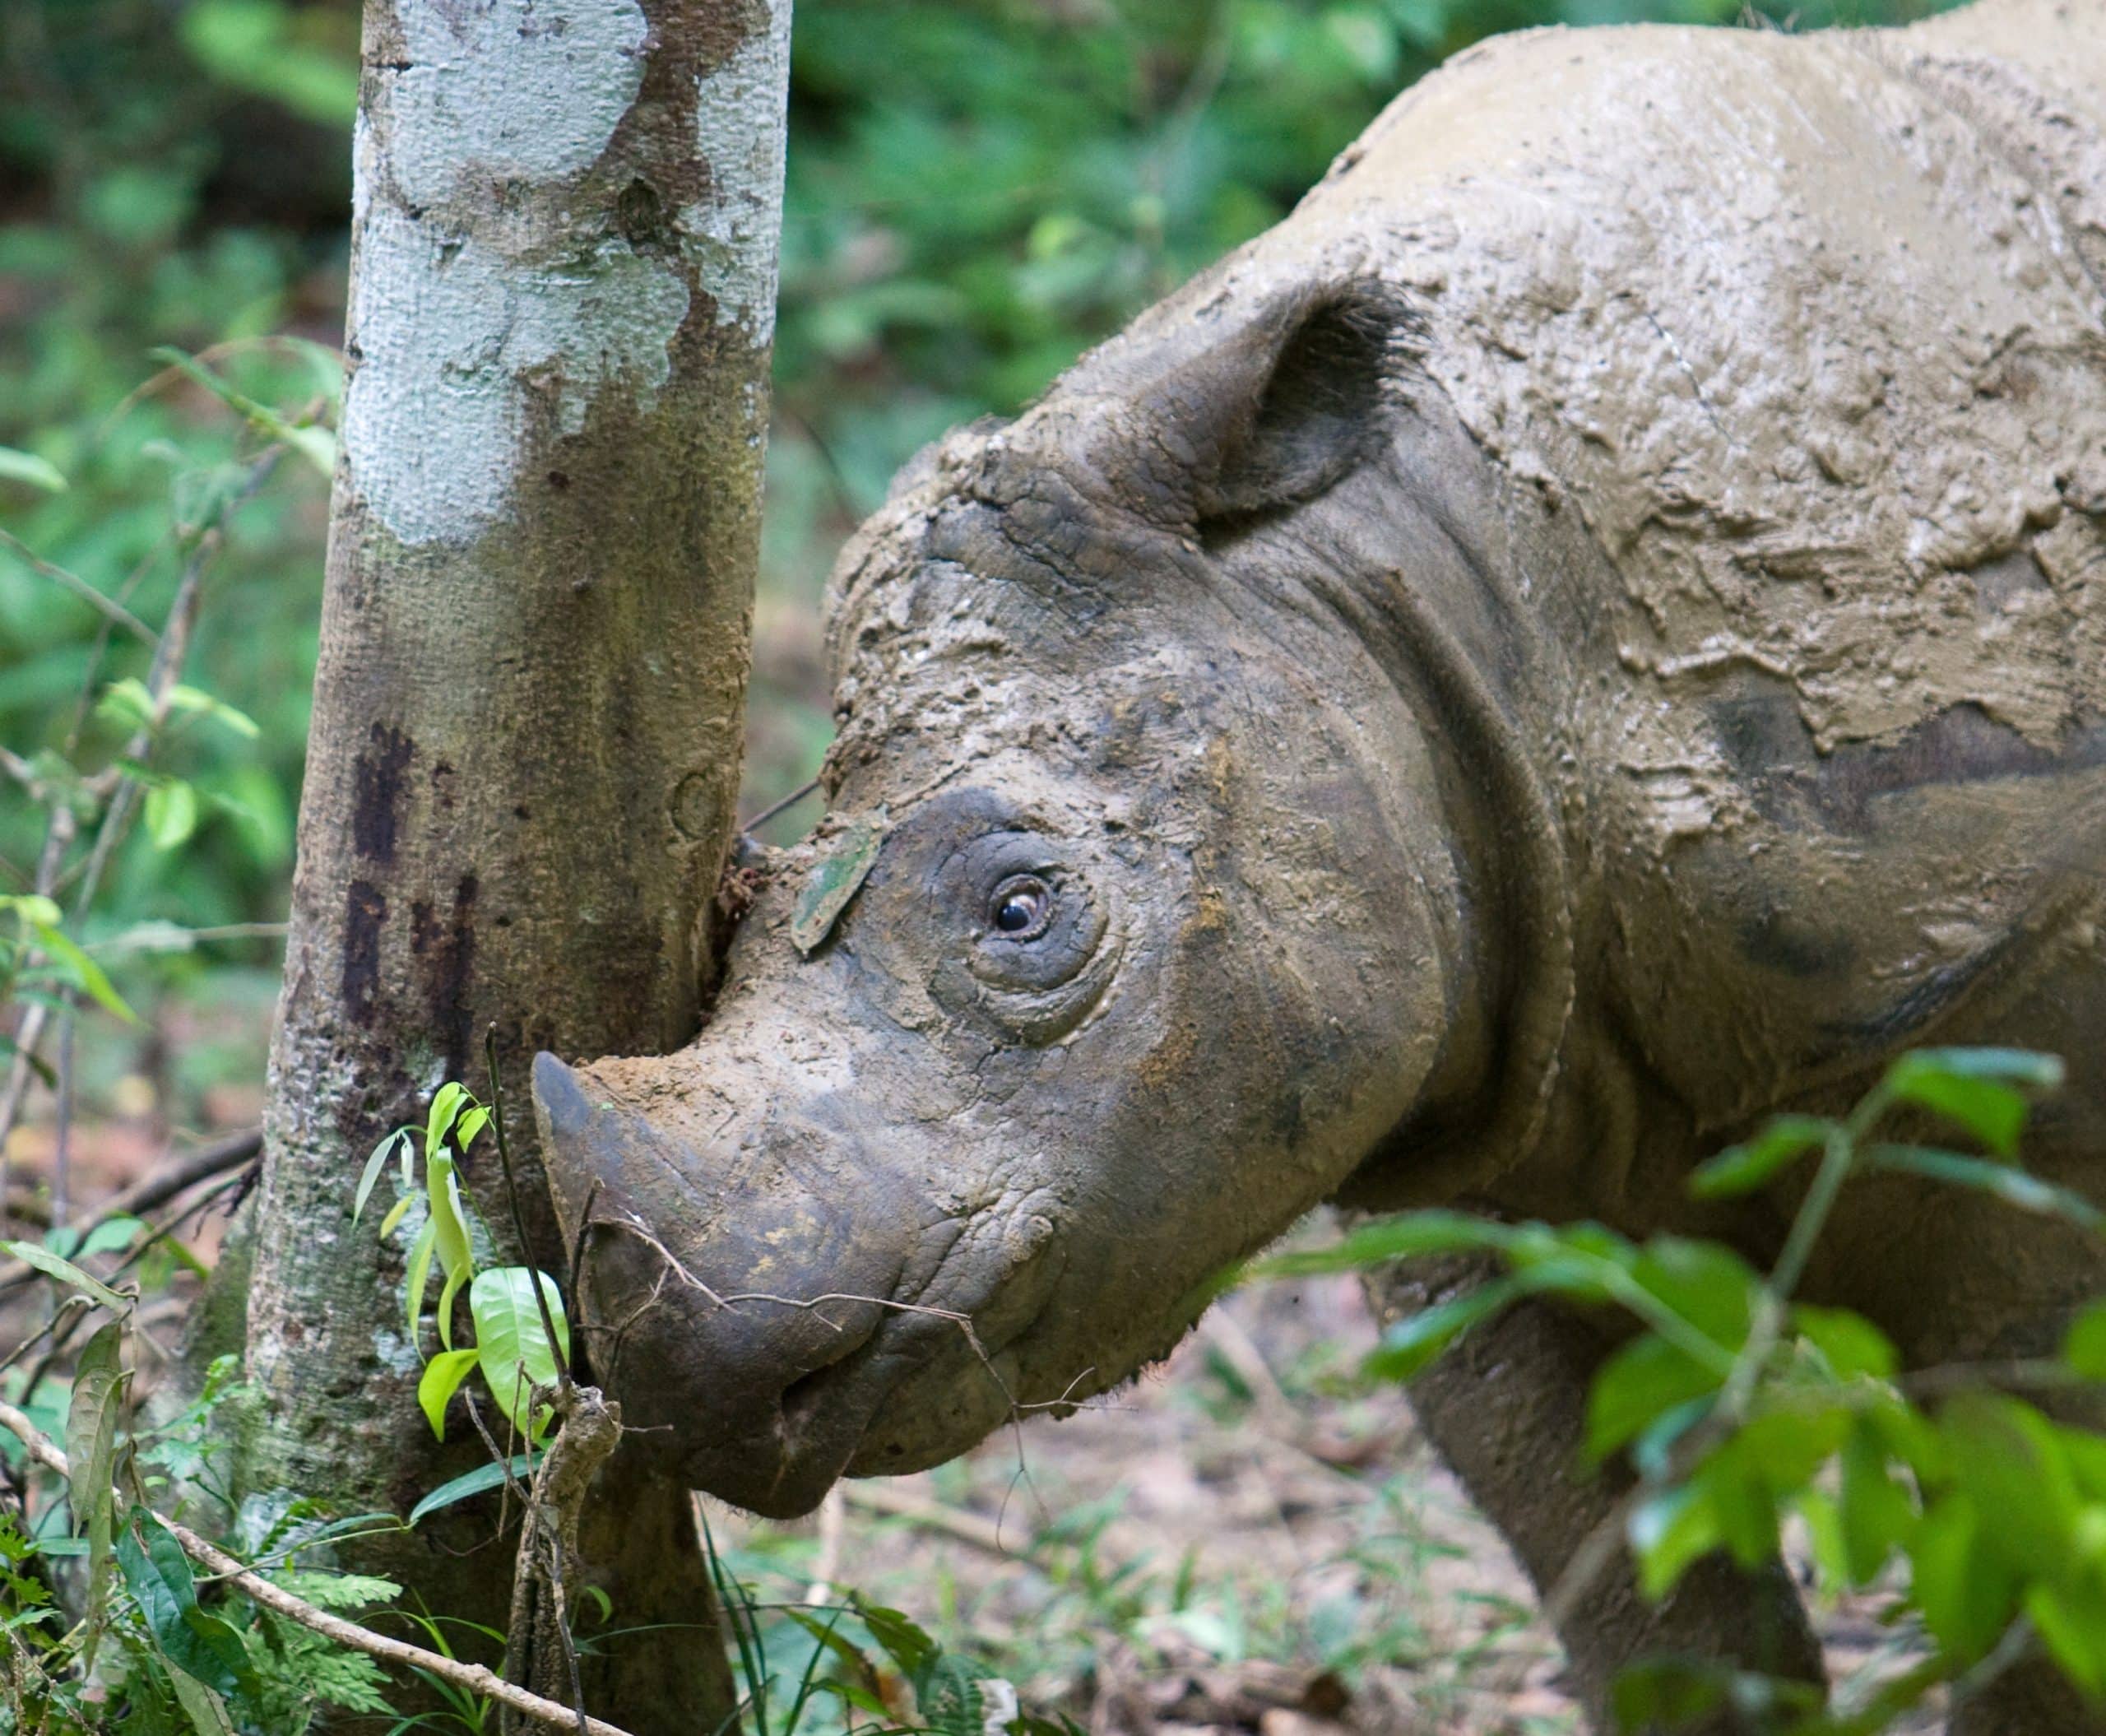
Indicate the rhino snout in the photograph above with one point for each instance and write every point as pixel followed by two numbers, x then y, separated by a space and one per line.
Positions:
pixel 731 1303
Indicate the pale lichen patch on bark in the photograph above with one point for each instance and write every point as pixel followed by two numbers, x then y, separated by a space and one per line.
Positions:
pixel 733 236
pixel 466 295
pixel 514 89
pixel 457 324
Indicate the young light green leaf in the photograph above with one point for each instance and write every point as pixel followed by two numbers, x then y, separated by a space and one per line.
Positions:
pixel 84 972
pixel 396 1213
pixel 196 701
pixel 445 1108
pixel 514 1349
pixel 370 1174
pixel 442 1376
pixel 446 1292
pixel 32 907
pixel 420 1252
pixel 66 1272
pixel 469 1126
pixel 449 1219
pixel 109 1237
pixel 171 814
pixel 26 466
pixel 835 880
pixel 1741 1169
pixel 483 1477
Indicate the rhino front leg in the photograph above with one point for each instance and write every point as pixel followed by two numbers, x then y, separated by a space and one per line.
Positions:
pixel 1506 1407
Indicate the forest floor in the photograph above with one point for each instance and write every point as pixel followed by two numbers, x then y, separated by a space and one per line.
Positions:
pixel 1249 1540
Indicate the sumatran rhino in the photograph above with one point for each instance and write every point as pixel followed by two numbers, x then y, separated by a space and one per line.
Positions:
pixel 1592 631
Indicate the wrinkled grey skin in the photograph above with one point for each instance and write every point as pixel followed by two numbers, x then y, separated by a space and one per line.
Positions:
pixel 1593 631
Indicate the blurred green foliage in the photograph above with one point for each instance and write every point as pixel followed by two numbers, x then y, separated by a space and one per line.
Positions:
pixel 979 189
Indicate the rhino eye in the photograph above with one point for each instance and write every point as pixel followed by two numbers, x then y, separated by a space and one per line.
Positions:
pixel 1021 907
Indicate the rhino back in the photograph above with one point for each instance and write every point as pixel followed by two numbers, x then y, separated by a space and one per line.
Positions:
pixel 1809 345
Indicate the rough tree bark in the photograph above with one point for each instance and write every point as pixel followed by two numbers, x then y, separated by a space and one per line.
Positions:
pixel 528 709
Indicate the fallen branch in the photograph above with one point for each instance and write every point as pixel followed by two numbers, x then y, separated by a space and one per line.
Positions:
pixel 931 1516
pixel 474 1677
pixel 157 1187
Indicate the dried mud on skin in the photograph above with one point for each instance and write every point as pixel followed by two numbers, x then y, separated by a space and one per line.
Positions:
pixel 1325 1515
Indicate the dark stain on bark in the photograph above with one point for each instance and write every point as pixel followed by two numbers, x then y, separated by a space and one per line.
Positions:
pixel 690 40
pixel 365 911
pixel 445 950
pixel 377 793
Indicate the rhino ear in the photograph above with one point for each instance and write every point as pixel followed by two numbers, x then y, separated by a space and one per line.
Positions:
pixel 1298 399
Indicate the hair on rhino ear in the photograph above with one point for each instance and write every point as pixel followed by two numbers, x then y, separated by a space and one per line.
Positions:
pixel 1307 403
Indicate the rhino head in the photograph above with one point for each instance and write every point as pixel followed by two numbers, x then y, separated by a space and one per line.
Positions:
pixel 1136 924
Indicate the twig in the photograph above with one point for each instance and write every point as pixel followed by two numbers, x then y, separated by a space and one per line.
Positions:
pixel 474 1677
pixel 931 1516
pixel 833 1527
pixel 116 780
pixel 157 1188
pixel 113 612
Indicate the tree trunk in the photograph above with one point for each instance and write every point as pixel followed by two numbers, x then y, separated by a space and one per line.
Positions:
pixel 528 708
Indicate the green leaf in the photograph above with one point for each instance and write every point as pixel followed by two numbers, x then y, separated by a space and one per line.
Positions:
pixel 1411 1343
pixel 2007 1182
pixel 83 971
pixel 1706 1283
pixel 206 1712
pixel 313 445
pixel 1641 1382
pixel 396 1213
pixel 477 1482
pixel 2025 1067
pixel 2004 1457
pixel 1741 1169
pixel 1850 1345
pixel 1668 1533
pixel 836 879
pixel 443 1375
pixel 160 1580
pixel 1393 1238
pixel 2071 1620
pixel 1967 1598
pixel 420 1252
pixel 510 1341
pixel 911 1649
pixel 66 1272
pixel 370 1174
pixel 1968 1086
pixel 1875 1512
pixel 2085 1348
pixel 90 1450
pixel 24 466
pixel 171 814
